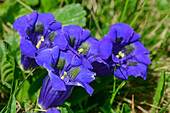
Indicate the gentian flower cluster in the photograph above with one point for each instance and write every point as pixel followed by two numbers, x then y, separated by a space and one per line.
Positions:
pixel 122 47
pixel 73 58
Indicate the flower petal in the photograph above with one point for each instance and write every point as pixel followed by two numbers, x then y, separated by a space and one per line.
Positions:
pixel 141 53
pixel 53 110
pixel 56 82
pixel 27 48
pixel 27 62
pixel 88 88
pixel 123 31
pixel 55 25
pixel 32 18
pixel 21 23
pixel 121 73
pixel 61 41
pixel 105 47
pixel 47 56
pixel 76 61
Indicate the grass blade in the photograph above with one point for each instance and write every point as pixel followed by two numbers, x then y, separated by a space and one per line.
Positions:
pixel 114 93
pixel 11 108
pixel 159 91
pixel 124 11
pixel 164 108
pixel 135 18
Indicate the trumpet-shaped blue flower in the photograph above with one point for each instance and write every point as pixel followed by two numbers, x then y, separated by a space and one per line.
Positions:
pixel 50 98
pixel 37 31
pixel 122 47
pixel 64 71
pixel 78 40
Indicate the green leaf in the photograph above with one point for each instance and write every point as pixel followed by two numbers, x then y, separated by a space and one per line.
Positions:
pixel 2 50
pixel 72 14
pixel 159 91
pixel 31 2
pixel 3 110
pixel 26 105
pixel 4 89
pixel 13 42
pixel 7 68
pixel 125 108
pixel 65 109
pixel 36 83
pixel 5 6
pixel 11 12
pixel 48 5
pixel 23 95
pixel 163 4
pixel 164 108
pixel 11 108
pixel 118 109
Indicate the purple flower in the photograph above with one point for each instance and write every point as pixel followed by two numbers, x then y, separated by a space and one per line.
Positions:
pixel 122 47
pixel 37 31
pixel 51 98
pixel 65 70
pixel 78 40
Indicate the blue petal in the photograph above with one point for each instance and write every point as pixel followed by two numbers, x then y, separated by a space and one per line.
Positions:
pixel 27 48
pixel 51 98
pixel 85 35
pixel 86 63
pixel 32 18
pixel 85 75
pixel 21 23
pixel 76 61
pixel 55 54
pixel 68 56
pixel 44 57
pixel 55 25
pixel 47 56
pixel 121 73
pixel 105 47
pixel 93 51
pixel 113 34
pixel 44 89
pixel 53 110
pixel 78 32
pixel 27 62
pixel 61 41
pixel 123 30
pixel 56 82
pixel 73 31
pixel 141 53
pixel 135 37
pixel 88 88
pixel 102 69
pixel 45 18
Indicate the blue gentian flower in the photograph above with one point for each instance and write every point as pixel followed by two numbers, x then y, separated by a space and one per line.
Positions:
pixel 65 70
pixel 37 30
pixel 78 40
pixel 50 98
pixel 122 47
